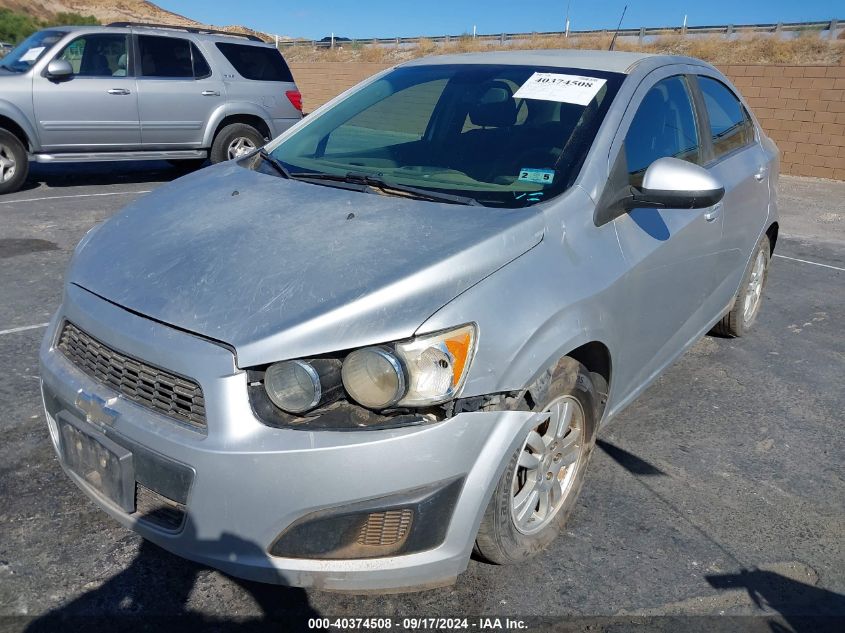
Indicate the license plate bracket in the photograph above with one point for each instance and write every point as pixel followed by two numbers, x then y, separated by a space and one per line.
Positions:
pixel 102 463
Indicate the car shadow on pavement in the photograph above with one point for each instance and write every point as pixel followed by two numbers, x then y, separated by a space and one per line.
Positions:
pixel 804 607
pixel 94 174
pixel 630 462
pixel 159 591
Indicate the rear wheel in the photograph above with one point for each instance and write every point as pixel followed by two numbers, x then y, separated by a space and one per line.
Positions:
pixel 749 298
pixel 14 164
pixel 235 140
pixel 540 486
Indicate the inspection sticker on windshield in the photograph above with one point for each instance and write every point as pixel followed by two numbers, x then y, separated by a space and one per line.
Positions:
pixel 540 176
pixel 564 88
pixel 31 54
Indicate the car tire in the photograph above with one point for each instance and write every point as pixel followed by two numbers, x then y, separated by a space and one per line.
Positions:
pixel 749 297
pixel 505 538
pixel 14 162
pixel 231 135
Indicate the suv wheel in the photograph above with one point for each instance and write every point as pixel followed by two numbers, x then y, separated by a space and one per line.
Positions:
pixel 539 488
pixel 234 141
pixel 14 164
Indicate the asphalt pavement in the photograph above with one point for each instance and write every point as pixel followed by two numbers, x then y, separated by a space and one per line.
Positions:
pixel 720 492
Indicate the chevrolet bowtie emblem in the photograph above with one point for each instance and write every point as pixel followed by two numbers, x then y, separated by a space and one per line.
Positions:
pixel 97 411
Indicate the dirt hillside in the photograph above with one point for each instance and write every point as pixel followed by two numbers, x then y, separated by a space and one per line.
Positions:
pixel 113 11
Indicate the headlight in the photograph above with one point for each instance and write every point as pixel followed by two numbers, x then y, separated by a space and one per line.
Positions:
pixel 373 377
pixel 425 371
pixel 297 386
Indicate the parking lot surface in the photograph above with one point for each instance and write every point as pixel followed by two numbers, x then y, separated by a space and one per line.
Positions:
pixel 720 492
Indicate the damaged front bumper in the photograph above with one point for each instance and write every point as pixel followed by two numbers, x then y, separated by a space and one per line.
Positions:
pixel 355 510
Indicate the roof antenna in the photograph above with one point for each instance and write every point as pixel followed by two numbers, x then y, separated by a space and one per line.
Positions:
pixel 613 41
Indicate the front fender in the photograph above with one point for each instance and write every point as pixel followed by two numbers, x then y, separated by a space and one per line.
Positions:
pixel 13 112
pixel 560 295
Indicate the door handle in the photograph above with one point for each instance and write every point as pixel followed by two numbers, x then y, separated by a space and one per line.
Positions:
pixel 761 173
pixel 210 93
pixel 118 91
pixel 714 212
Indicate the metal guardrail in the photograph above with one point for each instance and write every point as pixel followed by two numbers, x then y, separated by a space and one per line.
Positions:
pixel 728 29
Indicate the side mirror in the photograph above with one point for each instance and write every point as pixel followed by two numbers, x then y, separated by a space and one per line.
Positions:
pixel 59 69
pixel 671 183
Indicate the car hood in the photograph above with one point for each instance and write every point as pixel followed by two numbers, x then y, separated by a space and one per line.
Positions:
pixel 282 269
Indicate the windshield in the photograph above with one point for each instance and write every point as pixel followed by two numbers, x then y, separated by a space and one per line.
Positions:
pixel 506 136
pixel 24 55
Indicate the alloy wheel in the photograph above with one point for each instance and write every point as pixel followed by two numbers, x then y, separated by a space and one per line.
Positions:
pixel 7 163
pixel 754 289
pixel 239 146
pixel 548 462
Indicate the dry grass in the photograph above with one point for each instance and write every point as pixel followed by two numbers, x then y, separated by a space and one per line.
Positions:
pixel 807 49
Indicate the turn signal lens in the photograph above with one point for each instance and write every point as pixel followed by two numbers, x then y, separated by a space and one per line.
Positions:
pixel 437 365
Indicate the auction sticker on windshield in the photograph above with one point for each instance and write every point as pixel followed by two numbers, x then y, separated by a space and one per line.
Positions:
pixel 32 54
pixel 564 88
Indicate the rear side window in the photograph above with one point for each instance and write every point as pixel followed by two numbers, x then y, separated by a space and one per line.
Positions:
pixel 258 63
pixel 201 67
pixel 165 57
pixel 730 125
pixel 663 126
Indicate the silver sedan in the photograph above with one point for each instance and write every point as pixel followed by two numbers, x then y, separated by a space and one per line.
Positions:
pixel 349 359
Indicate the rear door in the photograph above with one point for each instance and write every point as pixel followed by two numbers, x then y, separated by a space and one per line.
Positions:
pixel 178 92
pixel 737 159
pixel 95 109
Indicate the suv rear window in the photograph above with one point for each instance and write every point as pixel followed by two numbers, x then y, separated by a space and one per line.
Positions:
pixel 256 62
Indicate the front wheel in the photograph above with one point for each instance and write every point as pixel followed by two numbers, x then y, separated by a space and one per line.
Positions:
pixel 540 486
pixel 14 164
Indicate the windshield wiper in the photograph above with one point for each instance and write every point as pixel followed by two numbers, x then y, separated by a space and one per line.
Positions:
pixel 274 162
pixel 389 188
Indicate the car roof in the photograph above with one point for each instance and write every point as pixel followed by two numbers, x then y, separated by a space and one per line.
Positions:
pixel 610 61
pixel 163 30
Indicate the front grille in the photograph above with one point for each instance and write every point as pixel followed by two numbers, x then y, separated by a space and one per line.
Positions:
pixel 150 386
pixel 385 528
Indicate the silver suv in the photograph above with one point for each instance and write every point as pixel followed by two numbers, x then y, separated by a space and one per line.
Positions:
pixel 135 92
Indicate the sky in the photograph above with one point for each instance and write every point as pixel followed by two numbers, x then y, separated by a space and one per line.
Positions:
pixel 314 19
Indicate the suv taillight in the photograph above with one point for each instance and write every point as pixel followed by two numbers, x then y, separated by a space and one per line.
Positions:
pixel 295 97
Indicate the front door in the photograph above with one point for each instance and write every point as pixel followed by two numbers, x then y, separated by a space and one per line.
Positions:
pixel 671 253
pixel 177 92
pixel 95 109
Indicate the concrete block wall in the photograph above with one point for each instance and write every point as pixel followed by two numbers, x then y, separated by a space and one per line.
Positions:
pixel 801 107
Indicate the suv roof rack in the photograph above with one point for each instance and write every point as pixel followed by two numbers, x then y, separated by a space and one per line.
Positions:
pixel 189 29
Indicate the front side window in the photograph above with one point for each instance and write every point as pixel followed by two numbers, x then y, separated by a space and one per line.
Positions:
pixel 730 125
pixel 24 55
pixel 165 57
pixel 456 129
pixel 97 55
pixel 664 125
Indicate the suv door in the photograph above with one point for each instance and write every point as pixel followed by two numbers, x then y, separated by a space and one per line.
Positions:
pixel 97 107
pixel 739 162
pixel 671 253
pixel 177 92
